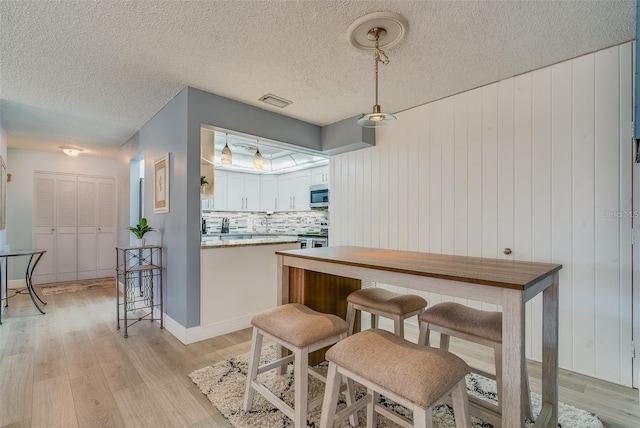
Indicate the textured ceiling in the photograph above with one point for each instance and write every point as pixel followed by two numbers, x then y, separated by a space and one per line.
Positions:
pixel 92 73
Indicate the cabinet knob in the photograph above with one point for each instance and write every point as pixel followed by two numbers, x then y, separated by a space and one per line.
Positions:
pixel 507 251
pixel 52 229
pixel 99 229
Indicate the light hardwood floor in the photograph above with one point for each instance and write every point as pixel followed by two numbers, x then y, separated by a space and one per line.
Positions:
pixel 72 368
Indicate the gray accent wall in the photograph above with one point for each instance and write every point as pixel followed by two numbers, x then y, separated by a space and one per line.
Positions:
pixel 165 132
pixel 176 129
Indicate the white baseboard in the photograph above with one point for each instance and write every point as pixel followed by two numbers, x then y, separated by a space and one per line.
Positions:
pixel 16 283
pixel 196 334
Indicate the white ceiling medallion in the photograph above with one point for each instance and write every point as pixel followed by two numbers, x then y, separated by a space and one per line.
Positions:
pixel 395 26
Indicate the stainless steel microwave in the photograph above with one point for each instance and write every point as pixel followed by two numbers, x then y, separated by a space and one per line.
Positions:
pixel 319 196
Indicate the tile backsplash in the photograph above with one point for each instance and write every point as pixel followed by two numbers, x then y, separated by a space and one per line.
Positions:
pixel 286 223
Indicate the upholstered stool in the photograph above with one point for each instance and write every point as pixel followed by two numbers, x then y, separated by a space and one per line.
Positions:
pixel 381 302
pixel 412 375
pixel 301 330
pixel 474 325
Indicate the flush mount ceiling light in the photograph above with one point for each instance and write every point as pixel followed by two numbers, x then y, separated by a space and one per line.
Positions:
pixel 225 159
pixel 274 100
pixel 258 163
pixel 372 32
pixel 71 151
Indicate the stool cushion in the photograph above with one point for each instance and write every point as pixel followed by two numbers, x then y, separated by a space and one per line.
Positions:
pixel 299 325
pixel 417 373
pixel 464 319
pixel 386 301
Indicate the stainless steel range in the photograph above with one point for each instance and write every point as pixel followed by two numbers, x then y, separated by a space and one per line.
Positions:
pixel 314 240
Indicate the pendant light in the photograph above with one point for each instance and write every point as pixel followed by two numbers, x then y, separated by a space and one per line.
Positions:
pixel 377 118
pixel 225 159
pixel 374 31
pixel 258 163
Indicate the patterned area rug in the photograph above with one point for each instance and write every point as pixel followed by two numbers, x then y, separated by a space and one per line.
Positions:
pixel 80 285
pixel 224 385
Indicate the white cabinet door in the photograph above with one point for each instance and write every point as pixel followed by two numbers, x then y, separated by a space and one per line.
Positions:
pixel 285 192
pixel 320 175
pixel 268 193
pixel 235 192
pixel 251 192
pixel 301 182
pixel 294 191
pixel 220 191
pixel 243 192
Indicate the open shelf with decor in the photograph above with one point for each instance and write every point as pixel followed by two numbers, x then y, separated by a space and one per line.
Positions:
pixel 139 280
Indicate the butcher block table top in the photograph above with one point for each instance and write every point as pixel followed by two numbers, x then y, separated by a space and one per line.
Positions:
pixel 517 275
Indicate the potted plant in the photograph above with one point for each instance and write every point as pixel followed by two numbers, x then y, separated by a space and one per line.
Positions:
pixel 203 182
pixel 139 230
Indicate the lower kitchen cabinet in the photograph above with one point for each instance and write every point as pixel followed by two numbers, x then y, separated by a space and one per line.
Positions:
pixel 231 294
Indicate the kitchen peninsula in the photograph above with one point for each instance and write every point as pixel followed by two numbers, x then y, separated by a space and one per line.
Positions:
pixel 238 279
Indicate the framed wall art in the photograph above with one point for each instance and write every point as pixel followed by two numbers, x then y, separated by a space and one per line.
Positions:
pixel 161 185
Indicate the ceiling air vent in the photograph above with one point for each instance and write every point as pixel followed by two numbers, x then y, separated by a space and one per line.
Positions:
pixel 275 100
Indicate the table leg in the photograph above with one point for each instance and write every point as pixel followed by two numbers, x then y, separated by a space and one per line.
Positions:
pixel 28 277
pixel 513 352
pixel 6 282
pixel 6 288
pixel 550 350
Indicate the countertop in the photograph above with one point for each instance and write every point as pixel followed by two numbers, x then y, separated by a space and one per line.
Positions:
pixel 247 242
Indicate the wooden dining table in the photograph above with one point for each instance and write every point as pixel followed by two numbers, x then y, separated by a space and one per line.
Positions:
pixel 322 278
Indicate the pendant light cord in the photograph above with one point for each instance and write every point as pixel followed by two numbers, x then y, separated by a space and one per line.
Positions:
pixel 379 56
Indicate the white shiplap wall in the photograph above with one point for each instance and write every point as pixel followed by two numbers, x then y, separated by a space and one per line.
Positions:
pixel 530 163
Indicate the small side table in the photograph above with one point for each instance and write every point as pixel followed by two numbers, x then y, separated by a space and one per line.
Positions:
pixel 34 258
pixel 139 270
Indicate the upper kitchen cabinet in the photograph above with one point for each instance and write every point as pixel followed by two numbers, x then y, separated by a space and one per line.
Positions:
pixel 243 192
pixel 219 199
pixel 320 175
pixel 269 193
pixel 293 191
pixel 207 153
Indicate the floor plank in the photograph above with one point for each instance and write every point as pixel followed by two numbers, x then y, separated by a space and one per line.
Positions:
pixel 53 404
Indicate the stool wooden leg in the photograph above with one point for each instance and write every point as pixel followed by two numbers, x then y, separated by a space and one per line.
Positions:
pixel 351 398
pixel 301 386
pixel 330 401
pixel 398 325
pixel 461 405
pixel 372 415
pixel 423 418
pixel 444 341
pixel 252 373
pixel 374 321
pixel 351 318
pixel 425 332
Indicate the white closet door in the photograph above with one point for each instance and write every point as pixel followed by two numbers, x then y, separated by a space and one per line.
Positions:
pixel 87 227
pixel 44 230
pixel 106 227
pixel 66 230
